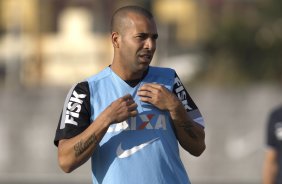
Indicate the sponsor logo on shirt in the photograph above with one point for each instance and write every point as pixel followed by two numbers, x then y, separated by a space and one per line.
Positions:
pixel 73 109
pixel 182 95
pixel 141 122
pixel 123 153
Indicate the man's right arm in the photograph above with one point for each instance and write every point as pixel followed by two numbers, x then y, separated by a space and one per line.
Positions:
pixel 270 166
pixel 75 150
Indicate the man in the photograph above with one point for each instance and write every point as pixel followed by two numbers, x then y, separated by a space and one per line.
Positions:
pixel 272 170
pixel 130 117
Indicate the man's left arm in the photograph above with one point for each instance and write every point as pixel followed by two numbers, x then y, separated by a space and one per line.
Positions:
pixel 190 135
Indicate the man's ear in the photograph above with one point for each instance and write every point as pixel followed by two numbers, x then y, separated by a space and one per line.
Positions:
pixel 115 39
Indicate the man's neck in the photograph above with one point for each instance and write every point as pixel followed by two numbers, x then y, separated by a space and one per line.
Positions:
pixel 134 82
pixel 125 74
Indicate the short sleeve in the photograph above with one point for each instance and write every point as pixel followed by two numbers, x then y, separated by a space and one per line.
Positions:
pixel 188 103
pixel 75 115
pixel 274 126
pixel 270 138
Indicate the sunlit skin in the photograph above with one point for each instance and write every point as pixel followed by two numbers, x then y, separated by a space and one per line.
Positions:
pixel 134 46
pixel 270 166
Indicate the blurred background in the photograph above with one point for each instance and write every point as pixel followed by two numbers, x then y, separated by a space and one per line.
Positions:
pixel 227 52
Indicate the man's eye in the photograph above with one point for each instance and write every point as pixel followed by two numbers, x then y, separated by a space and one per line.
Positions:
pixel 141 36
pixel 155 37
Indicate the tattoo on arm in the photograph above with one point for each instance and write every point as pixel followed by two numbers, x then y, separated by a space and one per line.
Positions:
pixel 81 146
pixel 188 129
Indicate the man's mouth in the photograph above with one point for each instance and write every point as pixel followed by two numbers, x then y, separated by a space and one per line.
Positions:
pixel 146 57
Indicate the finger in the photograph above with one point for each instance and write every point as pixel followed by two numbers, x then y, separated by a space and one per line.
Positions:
pixel 146 99
pixel 132 107
pixel 127 97
pixel 133 113
pixel 146 87
pixel 151 86
pixel 129 102
pixel 144 93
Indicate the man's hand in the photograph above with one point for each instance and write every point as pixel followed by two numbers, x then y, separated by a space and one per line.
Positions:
pixel 77 150
pixel 190 135
pixel 158 96
pixel 121 109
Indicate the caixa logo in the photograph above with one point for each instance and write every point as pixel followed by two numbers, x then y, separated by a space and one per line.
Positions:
pixel 141 122
pixel 73 109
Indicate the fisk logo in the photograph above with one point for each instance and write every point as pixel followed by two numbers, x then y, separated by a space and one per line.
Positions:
pixel 181 93
pixel 73 109
pixel 141 122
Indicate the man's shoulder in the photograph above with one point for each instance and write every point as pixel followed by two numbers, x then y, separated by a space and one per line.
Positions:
pixel 275 115
pixel 277 111
pixel 99 76
pixel 161 70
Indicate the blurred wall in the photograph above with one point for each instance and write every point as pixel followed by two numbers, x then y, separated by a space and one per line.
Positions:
pixel 61 42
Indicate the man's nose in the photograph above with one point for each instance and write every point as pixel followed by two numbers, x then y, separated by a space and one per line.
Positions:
pixel 150 44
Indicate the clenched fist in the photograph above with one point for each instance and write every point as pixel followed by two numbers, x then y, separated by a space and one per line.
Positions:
pixel 121 109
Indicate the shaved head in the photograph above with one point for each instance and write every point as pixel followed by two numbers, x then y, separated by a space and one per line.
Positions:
pixel 133 34
pixel 120 17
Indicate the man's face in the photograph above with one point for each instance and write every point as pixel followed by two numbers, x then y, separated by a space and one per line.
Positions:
pixel 138 43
